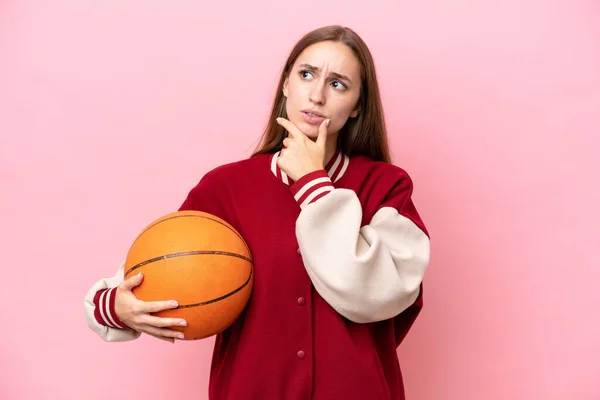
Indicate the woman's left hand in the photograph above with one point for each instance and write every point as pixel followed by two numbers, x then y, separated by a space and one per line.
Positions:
pixel 300 155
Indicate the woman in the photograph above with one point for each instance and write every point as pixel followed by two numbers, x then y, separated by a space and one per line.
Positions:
pixel 339 248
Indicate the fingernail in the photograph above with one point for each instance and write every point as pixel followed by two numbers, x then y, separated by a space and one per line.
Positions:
pixel 327 122
pixel 174 304
pixel 183 323
pixel 180 336
pixel 139 275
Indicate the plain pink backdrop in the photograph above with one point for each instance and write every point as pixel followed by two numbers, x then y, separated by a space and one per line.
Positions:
pixel 111 111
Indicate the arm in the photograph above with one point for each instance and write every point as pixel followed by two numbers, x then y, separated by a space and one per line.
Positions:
pixel 366 273
pixel 99 302
pixel 99 307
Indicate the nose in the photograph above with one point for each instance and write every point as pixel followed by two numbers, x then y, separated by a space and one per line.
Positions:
pixel 317 93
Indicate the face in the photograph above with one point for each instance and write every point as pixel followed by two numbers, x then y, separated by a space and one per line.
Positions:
pixel 324 83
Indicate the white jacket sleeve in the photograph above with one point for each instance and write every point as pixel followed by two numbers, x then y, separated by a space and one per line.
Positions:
pixel 99 312
pixel 369 272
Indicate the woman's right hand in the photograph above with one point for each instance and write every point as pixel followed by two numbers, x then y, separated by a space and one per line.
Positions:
pixel 135 313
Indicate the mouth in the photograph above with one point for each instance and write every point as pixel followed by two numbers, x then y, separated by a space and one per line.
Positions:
pixel 313 113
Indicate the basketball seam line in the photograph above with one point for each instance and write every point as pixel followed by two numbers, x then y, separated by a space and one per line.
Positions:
pixel 223 253
pixel 194 216
pixel 187 253
pixel 204 303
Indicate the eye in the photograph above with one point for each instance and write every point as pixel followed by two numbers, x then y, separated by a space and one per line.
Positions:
pixel 304 74
pixel 340 85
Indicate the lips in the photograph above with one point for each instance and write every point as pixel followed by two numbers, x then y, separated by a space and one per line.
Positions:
pixel 312 117
pixel 313 113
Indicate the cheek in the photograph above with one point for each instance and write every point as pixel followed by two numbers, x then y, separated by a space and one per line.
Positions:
pixel 337 123
pixel 342 113
pixel 291 100
pixel 295 89
pixel 296 100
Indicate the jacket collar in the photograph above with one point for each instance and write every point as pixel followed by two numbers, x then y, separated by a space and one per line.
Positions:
pixel 336 167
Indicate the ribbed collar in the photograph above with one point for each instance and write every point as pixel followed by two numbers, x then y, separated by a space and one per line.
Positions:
pixel 336 167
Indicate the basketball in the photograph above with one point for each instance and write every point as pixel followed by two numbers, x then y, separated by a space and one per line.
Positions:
pixel 200 261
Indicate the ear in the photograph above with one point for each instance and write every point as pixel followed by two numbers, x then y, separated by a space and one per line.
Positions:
pixel 357 110
pixel 285 86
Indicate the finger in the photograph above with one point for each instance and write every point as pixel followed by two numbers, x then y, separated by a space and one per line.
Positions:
pixel 170 340
pixel 133 281
pixel 162 322
pixel 156 306
pixel 322 138
pixel 162 332
pixel 293 130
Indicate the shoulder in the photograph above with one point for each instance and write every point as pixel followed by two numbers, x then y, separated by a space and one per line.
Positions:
pixel 372 172
pixel 380 185
pixel 233 171
pixel 212 192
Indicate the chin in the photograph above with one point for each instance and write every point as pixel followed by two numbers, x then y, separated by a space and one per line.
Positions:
pixel 312 131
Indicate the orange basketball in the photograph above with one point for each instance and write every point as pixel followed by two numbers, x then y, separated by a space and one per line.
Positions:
pixel 198 260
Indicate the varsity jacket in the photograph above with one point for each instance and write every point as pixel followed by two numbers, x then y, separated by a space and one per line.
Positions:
pixel 339 260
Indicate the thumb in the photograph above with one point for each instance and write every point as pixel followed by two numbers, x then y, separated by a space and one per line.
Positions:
pixel 133 281
pixel 322 137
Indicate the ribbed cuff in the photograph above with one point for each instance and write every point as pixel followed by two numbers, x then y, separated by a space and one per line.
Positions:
pixel 105 314
pixel 311 187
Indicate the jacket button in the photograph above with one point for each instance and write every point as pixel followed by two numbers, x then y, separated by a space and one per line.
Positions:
pixel 301 301
pixel 301 355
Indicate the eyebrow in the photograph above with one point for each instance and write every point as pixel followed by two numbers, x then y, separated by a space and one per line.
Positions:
pixel 334 74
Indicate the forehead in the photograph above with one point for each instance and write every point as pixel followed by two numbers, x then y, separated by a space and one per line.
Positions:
pixel 333 57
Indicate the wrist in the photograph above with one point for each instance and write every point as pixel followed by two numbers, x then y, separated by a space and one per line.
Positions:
pixel 309 170
pixel 105 313
pixel 311 187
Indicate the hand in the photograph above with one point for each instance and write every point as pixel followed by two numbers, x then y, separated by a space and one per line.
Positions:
pixel 136 313
pixel 301 155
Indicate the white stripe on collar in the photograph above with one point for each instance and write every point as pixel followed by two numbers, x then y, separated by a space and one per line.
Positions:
pixel 336 167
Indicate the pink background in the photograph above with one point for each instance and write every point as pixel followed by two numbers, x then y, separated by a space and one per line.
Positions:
pixel 111 111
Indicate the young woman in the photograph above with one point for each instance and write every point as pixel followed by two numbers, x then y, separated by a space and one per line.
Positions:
pixel 339 248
